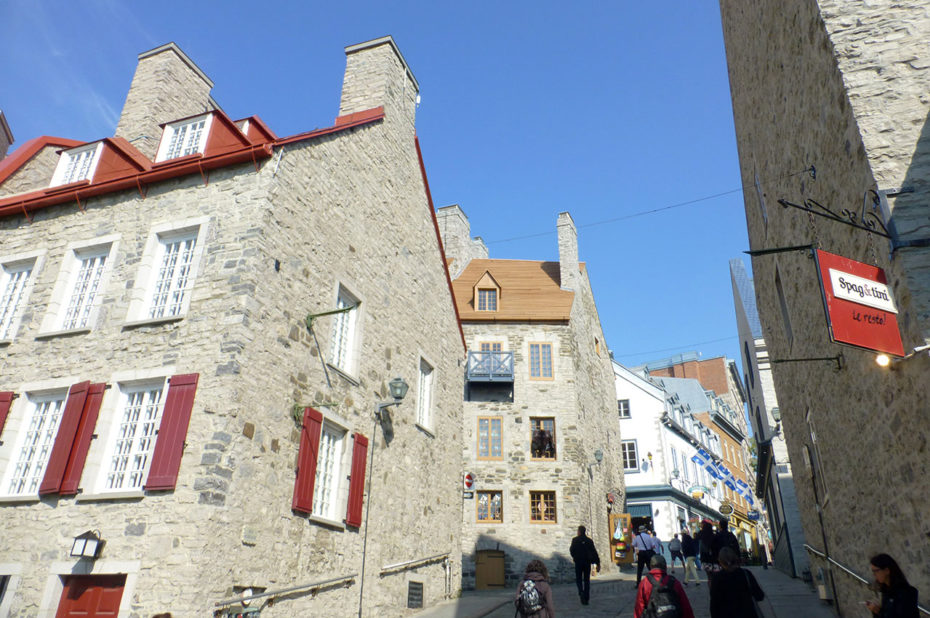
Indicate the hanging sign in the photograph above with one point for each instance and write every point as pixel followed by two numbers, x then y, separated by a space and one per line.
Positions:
pixel 725 508
pixel 860 308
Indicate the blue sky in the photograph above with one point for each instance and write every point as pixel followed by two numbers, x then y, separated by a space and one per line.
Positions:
pixel 607 111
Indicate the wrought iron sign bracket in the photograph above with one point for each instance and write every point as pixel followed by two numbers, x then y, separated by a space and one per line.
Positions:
pixel 865 220
pixel 839 359
pixel 771 250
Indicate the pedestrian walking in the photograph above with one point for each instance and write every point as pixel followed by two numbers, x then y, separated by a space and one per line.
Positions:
pixel 584 554
pixel 899 598
pixel 724 538
pixel 643 545
pixel 660 594
pixel 705 539
pixel 689 548
pixel 674 549
pixel 734 592
pixel 534 594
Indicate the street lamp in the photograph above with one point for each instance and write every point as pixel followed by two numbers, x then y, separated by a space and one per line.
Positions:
pixel 87 545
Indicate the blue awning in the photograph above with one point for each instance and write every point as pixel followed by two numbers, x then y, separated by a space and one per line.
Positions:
pixel 639 510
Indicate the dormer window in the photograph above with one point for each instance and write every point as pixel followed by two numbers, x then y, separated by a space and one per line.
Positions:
pixel 487 300
pixel 77 164
pixel 185 137
pixel 487 293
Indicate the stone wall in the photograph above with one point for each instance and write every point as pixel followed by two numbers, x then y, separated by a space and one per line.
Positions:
pixel 844 90
pixel 280 240
pixel 37 174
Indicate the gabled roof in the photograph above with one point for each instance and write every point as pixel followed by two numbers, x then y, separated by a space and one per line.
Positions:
pixel 29 149
pixel 530 292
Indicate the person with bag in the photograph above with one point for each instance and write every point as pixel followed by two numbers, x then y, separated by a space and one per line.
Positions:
pixel 734 592
pixel 899 598
pixel 660 595
pixel 643 544
pixel 534 594
pixel 584 554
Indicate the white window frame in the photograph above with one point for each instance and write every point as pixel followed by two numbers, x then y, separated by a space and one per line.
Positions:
pixel 18 425
pixel 425 387
pixel 623 410
pixel 11 312
pixel 140 305
pixel 54 321
pixel 344 337
pixel 337 476
pixel 623 458
pixel 165 150
pixel 77 164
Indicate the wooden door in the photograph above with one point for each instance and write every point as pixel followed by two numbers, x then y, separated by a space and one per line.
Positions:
pixel 91 596
pixel 489 569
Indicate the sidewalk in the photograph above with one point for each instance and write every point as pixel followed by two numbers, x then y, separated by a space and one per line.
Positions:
pixel 613 594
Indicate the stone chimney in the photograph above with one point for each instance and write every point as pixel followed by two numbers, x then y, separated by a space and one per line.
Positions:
pixel 167 86
pixel 6 136
pixel 377 75
pixel 457 242
pixel 568 252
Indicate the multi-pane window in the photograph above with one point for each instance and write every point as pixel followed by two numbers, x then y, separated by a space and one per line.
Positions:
pixel 487 300
pixel 344 330
pixel 540 360
pixel 84 287
pixel 76 164
pixel 542 506
pixel 174 264
pixel 139 416
pixel 542 438
pixel 490 507
pixel 492 346
pixel 329 460
pixel 489 437
pixel 425 395
pixel 13 281
pixel 630 460
pixel 623 407
pixel 34 445
pixel 184 138
pixel 684 467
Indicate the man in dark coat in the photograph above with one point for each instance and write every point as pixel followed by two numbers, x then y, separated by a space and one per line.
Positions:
pixel 584 554
pixel 724 538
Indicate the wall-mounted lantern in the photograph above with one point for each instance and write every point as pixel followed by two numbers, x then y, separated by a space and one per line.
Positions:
pixel 87 545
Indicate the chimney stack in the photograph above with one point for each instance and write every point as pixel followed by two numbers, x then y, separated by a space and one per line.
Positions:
pixel 568 252
pixel 167 86
pixel 377 75
pixel 6 136
pixel 459 246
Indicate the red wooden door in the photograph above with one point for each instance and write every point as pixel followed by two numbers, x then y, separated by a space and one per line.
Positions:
pixel 91 595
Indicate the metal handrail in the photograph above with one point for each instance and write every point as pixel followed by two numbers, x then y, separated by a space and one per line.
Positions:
pixel 850 572
pixel 405 565
pixel 276 593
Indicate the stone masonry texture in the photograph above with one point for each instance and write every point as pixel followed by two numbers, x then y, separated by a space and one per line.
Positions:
pixel 845 87
pixel 348 209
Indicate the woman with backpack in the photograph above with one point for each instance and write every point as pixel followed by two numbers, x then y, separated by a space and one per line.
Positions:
pixel 534 594
pixel 734 592
pixel 660 595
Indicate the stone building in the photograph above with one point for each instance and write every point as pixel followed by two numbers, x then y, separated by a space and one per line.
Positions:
pixel 6 135
pixel 831 107
pixel 666 489
pixel 540 431
pixel 198 322
pixel 774 480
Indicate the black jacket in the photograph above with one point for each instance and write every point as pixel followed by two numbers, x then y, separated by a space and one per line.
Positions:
pixel 900 602
pixel 689 545
pixel 583 552
pixel 732 594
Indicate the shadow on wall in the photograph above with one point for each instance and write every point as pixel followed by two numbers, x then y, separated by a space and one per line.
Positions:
pixel 492 564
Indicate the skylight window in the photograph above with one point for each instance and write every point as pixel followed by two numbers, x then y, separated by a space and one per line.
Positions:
pixel 184 137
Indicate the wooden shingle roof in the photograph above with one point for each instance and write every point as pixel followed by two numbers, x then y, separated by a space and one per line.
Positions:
pixel 529 292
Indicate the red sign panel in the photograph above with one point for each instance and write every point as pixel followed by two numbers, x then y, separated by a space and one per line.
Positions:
pixel 860 309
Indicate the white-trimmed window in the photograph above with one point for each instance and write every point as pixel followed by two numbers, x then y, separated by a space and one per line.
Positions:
pixel 77 164
pixel 76 296
pixel 327 498
pixel 33 444
pixel 184 137
pixel 630 458
pixel 168 271
pixel 15 285
pixel 425 396
pixel 623 407
pixel 128 453
pixel 344 331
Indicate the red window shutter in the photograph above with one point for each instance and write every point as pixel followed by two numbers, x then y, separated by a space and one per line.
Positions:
pixel 357 481
pixel 6 400
pixel 306 461
pixel 82 438
pixel 175 419
pixel 64 439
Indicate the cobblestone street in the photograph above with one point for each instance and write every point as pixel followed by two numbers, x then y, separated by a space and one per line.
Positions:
pixel 612 596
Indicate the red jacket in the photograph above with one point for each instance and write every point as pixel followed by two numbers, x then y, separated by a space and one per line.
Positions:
pixel 645 591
